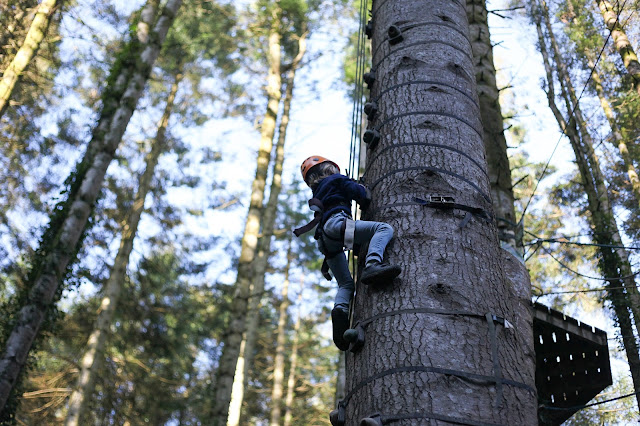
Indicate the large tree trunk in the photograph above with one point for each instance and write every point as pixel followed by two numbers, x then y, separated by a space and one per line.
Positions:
pixel 61 240
pixel 621 41
pixel 281 337
pixel 616 134
pixel 293 364
pixel 613 262
pixel 27 51
pixel 245 359
pixel 94 352
pixel 436 347
pixel 493 127
pixel 233 335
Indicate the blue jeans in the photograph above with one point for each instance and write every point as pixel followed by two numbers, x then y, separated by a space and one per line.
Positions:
pixel 377 234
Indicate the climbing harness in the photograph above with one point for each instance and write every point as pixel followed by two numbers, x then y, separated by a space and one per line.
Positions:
pixel 346 238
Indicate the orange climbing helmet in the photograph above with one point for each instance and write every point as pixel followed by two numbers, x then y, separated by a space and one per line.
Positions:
pixel 314 160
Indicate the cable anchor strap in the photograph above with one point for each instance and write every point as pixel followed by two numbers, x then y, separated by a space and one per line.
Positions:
pixel 472 377
pixel 448 203
pixel 378 419
pixel 497 370
pixel 356 335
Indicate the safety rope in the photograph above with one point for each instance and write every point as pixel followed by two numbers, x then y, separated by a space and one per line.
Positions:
pixel 385 419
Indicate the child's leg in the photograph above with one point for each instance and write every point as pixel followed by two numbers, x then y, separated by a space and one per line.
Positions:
pixel 378 234
pixel 340 268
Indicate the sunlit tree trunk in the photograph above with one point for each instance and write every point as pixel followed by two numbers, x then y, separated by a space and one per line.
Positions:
pixel 422 363
pixel 233 335
pixel 94 353
pixel 616 134
pixel 293 364
pixel 621 41
pixel 281 337
pixel 493 127
pixel 613 262
pixel 35 35
pixel 245 359
pixel 62 238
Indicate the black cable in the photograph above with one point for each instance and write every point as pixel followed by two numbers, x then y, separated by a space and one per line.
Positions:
pixel 539 240
pixel 544 171
pixel 588 276
pixel 580 407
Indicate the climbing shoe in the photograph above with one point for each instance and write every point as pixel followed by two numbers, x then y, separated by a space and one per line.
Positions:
pixel 377 273
pixel 340 320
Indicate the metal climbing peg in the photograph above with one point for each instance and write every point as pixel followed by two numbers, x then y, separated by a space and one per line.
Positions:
pixel 355 337
pixel 395 35
pixel 369 78
pixel 371 137
pixel 370 108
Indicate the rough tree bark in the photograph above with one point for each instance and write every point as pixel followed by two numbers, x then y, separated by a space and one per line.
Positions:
pixel 94 352
pixel 281 333
pixel 63 236
pixel 247 347
pixel 232 338
pixel 436 353
pixel 621 41
pixel 613 262
pixel 35 35
pixel 493 127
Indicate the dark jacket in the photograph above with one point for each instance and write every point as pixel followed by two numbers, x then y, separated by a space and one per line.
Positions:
pixel 336 192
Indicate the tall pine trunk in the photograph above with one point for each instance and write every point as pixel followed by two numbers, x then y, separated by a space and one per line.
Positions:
pixel 616 134
pixel 613 262
pixel 293 363
pixel 35 35
pixel 94 352
pixel 621 41
pixel 281 337
pixel 61 240
pixel 493 127
pixel 245 359
pixel 236 328
pixel 436 347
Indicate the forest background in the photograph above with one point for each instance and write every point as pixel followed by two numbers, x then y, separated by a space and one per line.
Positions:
pixel 163 346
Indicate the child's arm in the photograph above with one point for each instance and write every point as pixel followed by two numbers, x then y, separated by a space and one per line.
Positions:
pixel 356 191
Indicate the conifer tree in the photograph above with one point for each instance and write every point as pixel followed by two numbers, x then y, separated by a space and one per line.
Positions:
pixel 613 262
pixel 621 41
pixel 61 240
pixel 245 358
pixel 37 32
pixel 236 328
